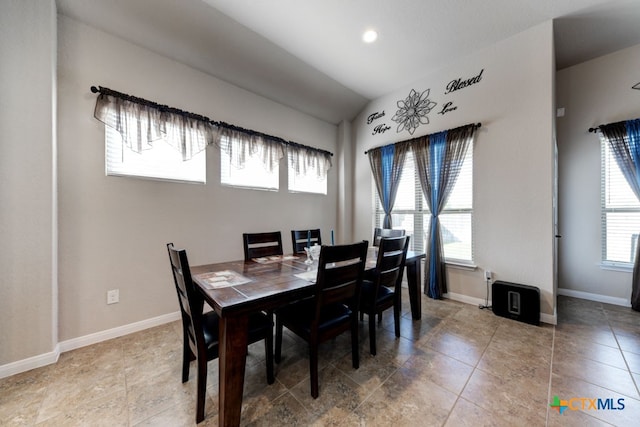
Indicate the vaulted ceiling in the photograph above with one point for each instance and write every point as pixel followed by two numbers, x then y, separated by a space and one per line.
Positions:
pixel 309 55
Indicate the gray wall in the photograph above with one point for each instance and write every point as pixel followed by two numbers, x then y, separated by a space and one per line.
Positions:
pixel 592 93
pixel 28 287
pixel 513 160
pixel 113 230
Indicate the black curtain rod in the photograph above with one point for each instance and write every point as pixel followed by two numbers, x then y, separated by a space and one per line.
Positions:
pixel 165 108
pixel 595 129
pixel 477 125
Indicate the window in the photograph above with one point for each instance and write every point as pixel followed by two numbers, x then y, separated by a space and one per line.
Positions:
pixel 252 173
pixel 620 213
pixel 411 213
pixel 311 176
pixel 157 161
pixel 306 182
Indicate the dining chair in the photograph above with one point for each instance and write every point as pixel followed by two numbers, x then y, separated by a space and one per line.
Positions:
pixel 378 233
pixel 300 239
pixel 384 291
pixel 333 308
pixel 200 330
pixel 257 245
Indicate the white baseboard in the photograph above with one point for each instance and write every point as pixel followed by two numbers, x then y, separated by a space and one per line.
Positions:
pixel 97 337
pixel 24 365
pixel 595 297
pixel 465 299
pixel 551 319
pixel 30 363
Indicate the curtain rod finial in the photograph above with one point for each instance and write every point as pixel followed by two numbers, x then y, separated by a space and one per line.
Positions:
pixel 94 89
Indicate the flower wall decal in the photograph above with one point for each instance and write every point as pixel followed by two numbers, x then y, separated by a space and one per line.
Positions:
pixel 412 111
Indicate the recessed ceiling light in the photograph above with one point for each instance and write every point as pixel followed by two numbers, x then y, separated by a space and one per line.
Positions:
pixel 369 36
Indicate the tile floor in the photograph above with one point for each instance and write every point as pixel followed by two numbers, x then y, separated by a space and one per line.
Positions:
pixel 457 366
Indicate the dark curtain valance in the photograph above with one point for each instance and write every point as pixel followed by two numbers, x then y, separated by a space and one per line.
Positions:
pixel 140 122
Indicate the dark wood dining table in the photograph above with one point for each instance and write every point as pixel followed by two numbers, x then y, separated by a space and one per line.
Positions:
pixel 237 288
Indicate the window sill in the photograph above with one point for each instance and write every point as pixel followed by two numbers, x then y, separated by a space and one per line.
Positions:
pixel 461 265
pixel 616 266
pixel 248 187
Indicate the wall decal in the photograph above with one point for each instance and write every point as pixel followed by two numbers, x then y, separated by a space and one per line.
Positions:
pixel 447 108
pixel 381 128
pixel 636 86
pixel 413 110
pixel 458 83
pixel 374 116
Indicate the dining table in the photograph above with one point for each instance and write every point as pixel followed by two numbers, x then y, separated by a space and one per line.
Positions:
pixel 235 289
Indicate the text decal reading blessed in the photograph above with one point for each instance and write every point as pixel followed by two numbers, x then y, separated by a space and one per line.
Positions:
pixel 461 83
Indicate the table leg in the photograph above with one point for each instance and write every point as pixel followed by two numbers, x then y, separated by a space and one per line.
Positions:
pixel 232 360
pixel 413 279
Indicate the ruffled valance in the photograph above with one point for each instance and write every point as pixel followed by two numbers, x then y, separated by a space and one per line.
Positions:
pixel 241 145
pixel 141 123
pixel 305 161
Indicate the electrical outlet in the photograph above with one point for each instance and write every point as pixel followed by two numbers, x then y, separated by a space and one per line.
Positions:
pixel 113 296
pixel 487 274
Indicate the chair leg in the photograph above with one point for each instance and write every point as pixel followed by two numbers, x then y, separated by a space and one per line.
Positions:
pixel 313 367
pixel 278 352
pixel 355 345
pixel 268 350
pixel 396 318
pixel 187 357
pixel 372 333
pixel 201 388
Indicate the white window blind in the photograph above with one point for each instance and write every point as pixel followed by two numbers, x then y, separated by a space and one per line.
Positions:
pixel 157 161
pixel 254 174
pixel 620 213
pixel 411 213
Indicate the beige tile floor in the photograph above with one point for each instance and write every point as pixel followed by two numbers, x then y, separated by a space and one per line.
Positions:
pixel 457 366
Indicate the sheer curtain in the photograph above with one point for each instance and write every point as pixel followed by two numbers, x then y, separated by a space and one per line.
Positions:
pixel 140 125
pixel 142 122
pixel 241 145
pixel 624 141
pixel 386 164
pixel 305 160
pixel 439 158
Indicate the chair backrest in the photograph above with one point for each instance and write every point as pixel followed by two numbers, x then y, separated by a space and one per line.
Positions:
pixel 340 273
pixel 191 303
pixel 378 233
pixel 257 245
pixel 392 254
pixel 300 238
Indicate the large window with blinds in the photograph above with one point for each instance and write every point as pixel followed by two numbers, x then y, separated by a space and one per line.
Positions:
pixel 411 212
pixel 620 214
